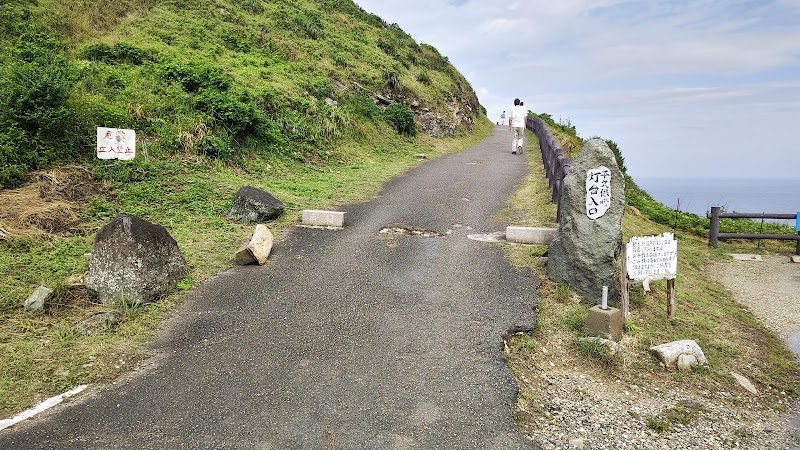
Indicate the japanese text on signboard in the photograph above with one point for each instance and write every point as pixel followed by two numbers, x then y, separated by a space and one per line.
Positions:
pixel 652 257
pixel 598 191
pixel 116 143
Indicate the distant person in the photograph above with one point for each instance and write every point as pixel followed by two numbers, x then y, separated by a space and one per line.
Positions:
pixel 503 118
pixel 516 121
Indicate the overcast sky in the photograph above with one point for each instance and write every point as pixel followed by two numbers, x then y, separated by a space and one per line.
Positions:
pixel 686 88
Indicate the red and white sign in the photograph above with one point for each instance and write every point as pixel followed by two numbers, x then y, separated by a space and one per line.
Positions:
pixel 116 143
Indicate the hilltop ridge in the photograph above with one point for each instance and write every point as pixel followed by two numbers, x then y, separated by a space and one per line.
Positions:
pixel 223 79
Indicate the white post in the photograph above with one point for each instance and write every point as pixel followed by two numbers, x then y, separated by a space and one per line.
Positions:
pixel 605 298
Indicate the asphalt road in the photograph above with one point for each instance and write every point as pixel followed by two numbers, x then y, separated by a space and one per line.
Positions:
pixel 345 339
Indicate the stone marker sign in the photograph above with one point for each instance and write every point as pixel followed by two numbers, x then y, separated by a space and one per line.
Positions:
pixel 116 143
pixel 652 257
pixel 583 254
pixel 318 218
pixel 598 192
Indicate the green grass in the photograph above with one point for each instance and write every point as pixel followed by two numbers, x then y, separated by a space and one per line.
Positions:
pixel 682 413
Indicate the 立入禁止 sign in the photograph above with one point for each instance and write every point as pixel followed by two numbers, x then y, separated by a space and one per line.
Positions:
pixel 116 143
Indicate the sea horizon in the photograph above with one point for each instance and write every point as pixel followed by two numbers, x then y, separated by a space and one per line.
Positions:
pixel 733 194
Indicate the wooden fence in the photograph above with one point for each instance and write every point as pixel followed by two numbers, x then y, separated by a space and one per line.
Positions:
pixel 556 163
pixel 714 235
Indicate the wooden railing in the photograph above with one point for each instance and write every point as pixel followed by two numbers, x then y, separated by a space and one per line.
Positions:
pixel 714 235
pixel 556 163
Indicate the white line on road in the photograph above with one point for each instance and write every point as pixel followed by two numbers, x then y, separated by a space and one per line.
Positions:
pixel 45 405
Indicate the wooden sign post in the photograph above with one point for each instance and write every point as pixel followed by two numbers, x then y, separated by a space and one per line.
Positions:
pixel 649 258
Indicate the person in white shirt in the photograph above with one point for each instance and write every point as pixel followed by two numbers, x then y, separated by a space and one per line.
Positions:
pixel 516 121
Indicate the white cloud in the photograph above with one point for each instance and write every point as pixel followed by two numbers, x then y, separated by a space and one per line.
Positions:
pixel 680 77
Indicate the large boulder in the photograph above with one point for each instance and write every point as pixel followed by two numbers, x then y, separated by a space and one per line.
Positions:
pixel 583 254
pixel 255 205
pixel 134 261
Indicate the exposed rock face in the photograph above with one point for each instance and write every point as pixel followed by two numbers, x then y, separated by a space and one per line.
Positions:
pixel 134 261
pixel 583 254
pixel 255 205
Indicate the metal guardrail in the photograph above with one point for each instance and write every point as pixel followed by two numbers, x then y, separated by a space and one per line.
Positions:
pixel 556 163
pixel 714 235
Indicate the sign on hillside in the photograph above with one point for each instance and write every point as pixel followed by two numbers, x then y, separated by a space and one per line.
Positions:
pixel 116 143
pixel 652 257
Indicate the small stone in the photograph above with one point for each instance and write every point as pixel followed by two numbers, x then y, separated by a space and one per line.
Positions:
pixel 36 300
pixel 745 383
pixel 98 322
pixel 578 443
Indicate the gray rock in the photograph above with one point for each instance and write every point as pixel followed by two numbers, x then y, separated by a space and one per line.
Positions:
pixel 583 254
pixel 133 261
pixel 36 300
pixel 255 205
pixel 381 100
pixel 98 322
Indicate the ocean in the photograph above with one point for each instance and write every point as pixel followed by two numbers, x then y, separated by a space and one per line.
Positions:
pixel 698 195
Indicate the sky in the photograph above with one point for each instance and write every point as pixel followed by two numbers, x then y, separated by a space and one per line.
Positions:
pixel 686 88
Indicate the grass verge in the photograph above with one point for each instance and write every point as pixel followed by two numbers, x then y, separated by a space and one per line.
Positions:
pixel 729 334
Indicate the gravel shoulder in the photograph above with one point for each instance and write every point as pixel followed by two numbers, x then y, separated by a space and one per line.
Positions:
pixel 770 288
pixel 565 403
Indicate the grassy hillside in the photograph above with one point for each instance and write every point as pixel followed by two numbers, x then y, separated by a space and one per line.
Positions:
pixel 316 102
pixel 233 80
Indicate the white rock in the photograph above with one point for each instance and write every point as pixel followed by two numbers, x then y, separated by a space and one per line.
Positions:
pixel 669 353
pixel 258 248
pixel 685 362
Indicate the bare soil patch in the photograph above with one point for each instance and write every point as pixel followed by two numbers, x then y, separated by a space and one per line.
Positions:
pixel 49 203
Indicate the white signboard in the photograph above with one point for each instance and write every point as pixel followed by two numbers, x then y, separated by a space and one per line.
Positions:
pixel 652 257
pixel 116 143
pixel 598 192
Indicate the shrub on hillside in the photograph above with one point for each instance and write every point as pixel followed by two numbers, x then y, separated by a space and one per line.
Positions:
pixel 14 18
pixel 38 125
pixel 234 114
pixel 120 52
pixel 401 119
pixel 196 75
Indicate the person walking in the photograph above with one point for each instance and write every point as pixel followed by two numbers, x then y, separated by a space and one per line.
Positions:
pixel 516 121
pixel 503 118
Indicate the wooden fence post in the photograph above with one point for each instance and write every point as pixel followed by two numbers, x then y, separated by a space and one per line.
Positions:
pixel 671 298
pixel 623 285
pixel 713 229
